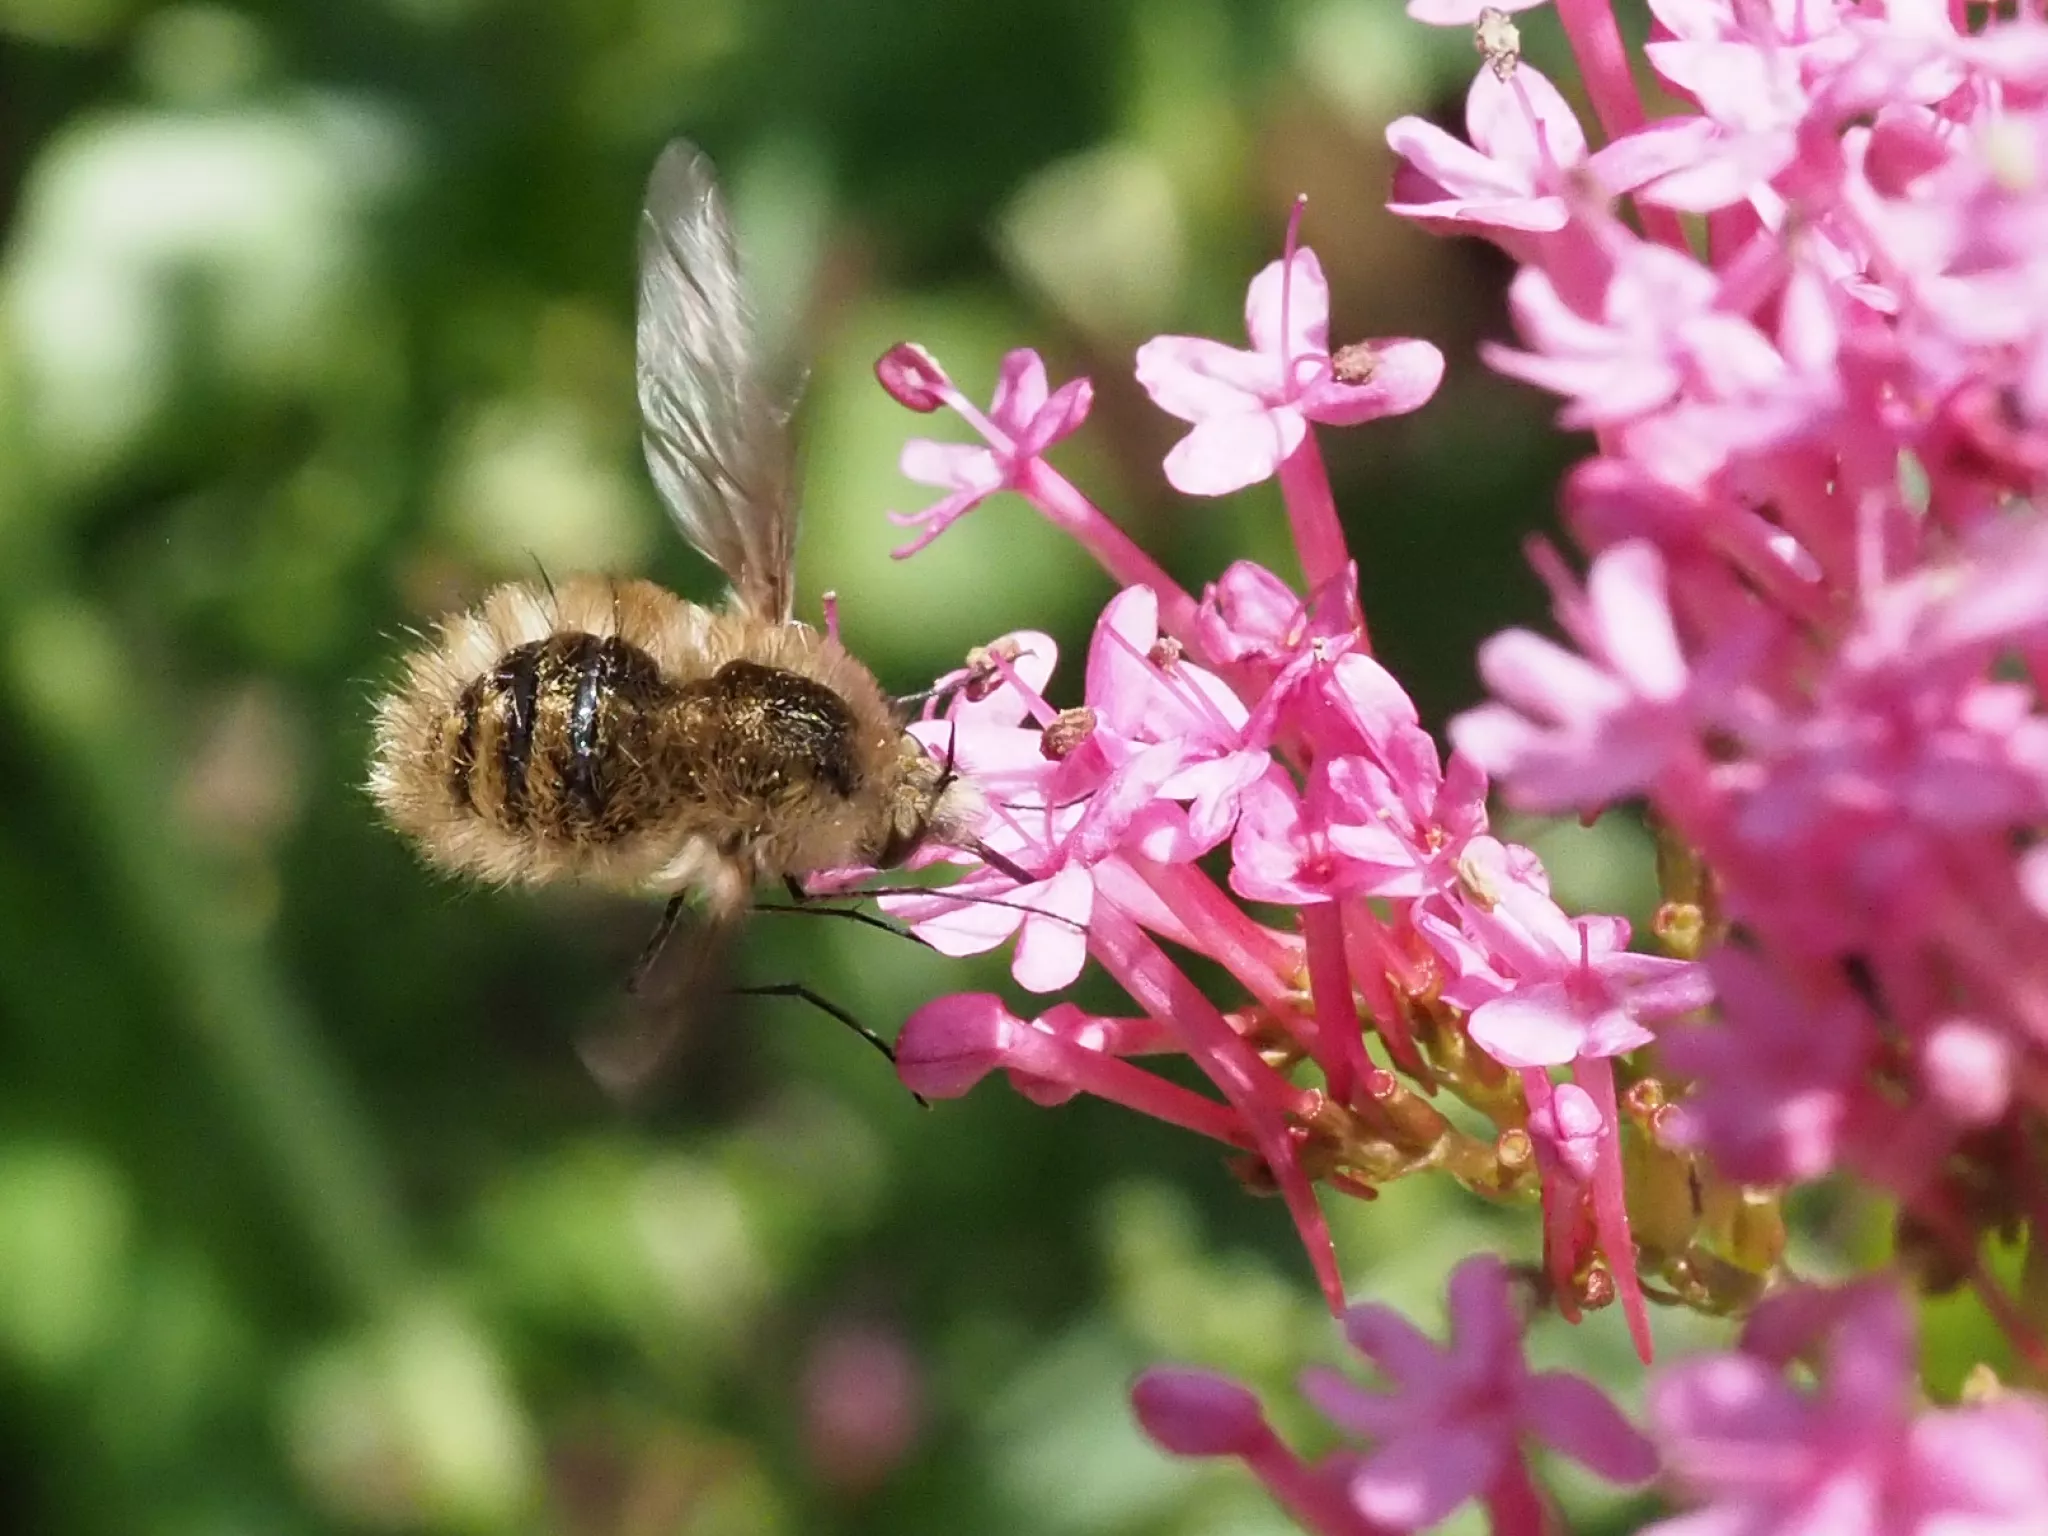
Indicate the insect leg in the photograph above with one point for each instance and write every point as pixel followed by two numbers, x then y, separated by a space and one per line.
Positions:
pixel 865 919
pixel 655 944
pixel 802 993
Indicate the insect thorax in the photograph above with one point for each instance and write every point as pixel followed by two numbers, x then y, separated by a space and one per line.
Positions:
pixel 764 735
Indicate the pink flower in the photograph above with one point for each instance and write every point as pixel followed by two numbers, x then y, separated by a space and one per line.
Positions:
pixel 1023 421
pixel 1580 731
pixel 1454 1425
pixel 1598 1006
pixel 1252 619
pixel 1758 1456
pixel 952 1043
pixel 1251 409
pixel 1198 1413
pixel 1146 696
pixel 1781 1078
pixel 1527 150
pixel 1663 334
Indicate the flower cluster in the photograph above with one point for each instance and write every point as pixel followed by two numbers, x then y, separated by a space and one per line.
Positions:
pixel 1817 586
pixel 1767 1457
pixel 1255 720
pixel 1805 319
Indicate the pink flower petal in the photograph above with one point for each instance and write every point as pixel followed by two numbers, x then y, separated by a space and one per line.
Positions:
pixel 1060 417
pixel 1356 1410
pixel 1020 390
pixel 1569 1414
pixel 965 466
pixel 1052 944
pixel 1402 1351
pixel 1534 1026
pixel 1523 123
pixel 1414 1483
pixel 1455 167
pixel 1405 374
pixel 1227 453
pixel 1304 294
pixel 1195 378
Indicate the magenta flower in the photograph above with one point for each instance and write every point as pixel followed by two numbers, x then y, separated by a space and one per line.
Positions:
pixel 1527 155
pixel 1252 619
pixel 1759 1456
pixel 1810 639
pixel 1663 335
pixel 1197 1413
pixel 1145 696
pixel 1023 421
pixel 1599 1006
pixel 1453 1429
pixel 1454 1425
pixel 1251 410
pixel 1782 1078
pixel 1583 730
pixel 952 1043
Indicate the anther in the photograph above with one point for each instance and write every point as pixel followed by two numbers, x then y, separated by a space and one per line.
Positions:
pixel 1069 729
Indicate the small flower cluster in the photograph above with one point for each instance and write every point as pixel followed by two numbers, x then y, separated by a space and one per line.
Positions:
pixel 1805 320
pixel 1847 1457
pixel 1257 720
pixel 1818 588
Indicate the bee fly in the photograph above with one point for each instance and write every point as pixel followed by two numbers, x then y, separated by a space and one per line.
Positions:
pixel 606 731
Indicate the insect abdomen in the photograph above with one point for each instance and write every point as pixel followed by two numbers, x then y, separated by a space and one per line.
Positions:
pixel 557 740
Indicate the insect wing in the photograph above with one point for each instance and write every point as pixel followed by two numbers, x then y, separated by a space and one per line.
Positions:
pixel 685 966
pixel 715 438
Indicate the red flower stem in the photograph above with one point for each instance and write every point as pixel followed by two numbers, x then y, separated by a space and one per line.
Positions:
pixel 1603 65
pixel 1042 1054
pixel 1377 967
pixel 1312 514
pixel 1074 514
pixel 1610 1202
pixel 1562 1196
pixel 1340 1039
pixel 1514 1506
pixel 1259 958
pixel 1261 1095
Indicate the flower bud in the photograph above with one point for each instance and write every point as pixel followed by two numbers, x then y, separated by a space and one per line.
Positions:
pixel 1195 1413
pixel 913 377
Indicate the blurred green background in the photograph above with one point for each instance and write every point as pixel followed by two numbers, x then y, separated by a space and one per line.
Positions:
pixel 317 322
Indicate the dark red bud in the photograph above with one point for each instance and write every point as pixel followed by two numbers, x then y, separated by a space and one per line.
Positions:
pixel 912 377
pixel 985 676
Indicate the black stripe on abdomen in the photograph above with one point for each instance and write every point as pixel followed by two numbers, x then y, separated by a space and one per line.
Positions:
pixel 597 667
pixel 462 758
pixel 516 680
